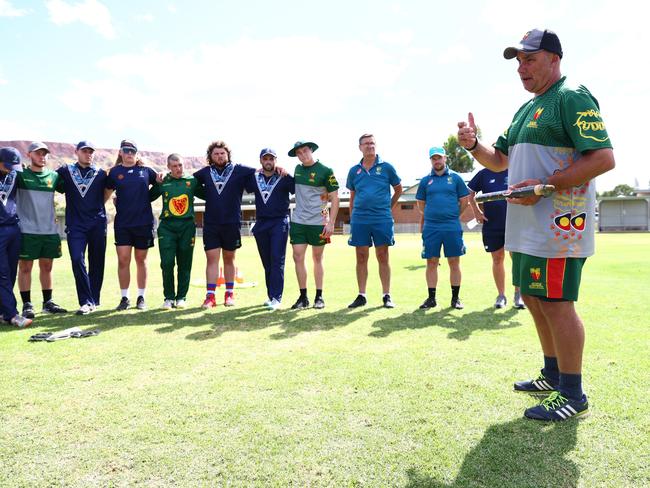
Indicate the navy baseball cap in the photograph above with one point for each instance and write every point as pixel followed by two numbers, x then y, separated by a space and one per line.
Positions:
pixel 437 150
pixel 10 158
pixel 128 143
pixel 85 144
pixel 268 150
pixel 536 40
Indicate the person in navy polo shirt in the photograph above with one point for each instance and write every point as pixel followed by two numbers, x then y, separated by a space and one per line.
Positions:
pixel 9 236
pixel 441 197
pixel 223 183
pixel 85 224
pixel 493 218
pixel 134 224
pixel 371 220
pixel 271 228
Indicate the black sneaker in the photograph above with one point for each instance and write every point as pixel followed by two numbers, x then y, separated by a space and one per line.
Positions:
pixel 28 310
pixel 360 301
pixel 388 303
pixel 124 304
pixel 140 303
pixel 319 302
pixel 51 307
pixel 456 303
pixel 302 302
pixel 539 386
pixel 429 303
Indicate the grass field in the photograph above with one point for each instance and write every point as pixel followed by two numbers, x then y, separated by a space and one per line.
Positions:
pixel 370 397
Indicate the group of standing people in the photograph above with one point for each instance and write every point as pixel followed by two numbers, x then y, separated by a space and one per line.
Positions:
pixel 556 138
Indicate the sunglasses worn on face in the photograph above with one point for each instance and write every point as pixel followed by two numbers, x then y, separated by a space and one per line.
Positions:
pixel 128 150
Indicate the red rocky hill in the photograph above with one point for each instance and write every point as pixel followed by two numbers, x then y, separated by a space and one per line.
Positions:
pixel 63 153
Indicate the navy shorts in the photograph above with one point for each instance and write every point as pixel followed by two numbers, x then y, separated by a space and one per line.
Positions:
pixel 379 234
pixel 450 240
pixel 140 237
pixel 227 237
pixel 493 241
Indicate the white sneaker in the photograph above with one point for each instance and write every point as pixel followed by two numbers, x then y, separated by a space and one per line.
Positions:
pixel 268 303
pixel 85 309
pixel 273 305
pixel 21 322
pixel 181 304
pixel 518 301
pixel 168 304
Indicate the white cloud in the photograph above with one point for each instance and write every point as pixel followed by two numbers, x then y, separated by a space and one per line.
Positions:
pixel 145 17
pixel 8 10
pixel 456 54
pixel 90 12
pixel 172 8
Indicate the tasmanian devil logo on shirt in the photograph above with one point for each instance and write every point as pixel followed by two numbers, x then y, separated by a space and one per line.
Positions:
pixel 179 205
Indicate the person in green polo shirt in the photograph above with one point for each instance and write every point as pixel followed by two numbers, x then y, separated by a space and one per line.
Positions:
pixel 176 230
pixel 40 234
pixel 311 222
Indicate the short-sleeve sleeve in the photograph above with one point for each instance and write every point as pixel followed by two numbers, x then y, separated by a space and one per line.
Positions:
pixel 421 194
pixel 349 183
pixel 331 184
pixel 461 187
pixel 394 179
pixel 475 184
pixel 583 122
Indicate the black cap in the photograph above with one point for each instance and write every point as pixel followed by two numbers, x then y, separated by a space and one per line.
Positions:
pixel 536 40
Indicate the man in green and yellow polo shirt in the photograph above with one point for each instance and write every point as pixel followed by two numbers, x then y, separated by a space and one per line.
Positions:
pixel 312 223
pixel 176 230
pixel 40 234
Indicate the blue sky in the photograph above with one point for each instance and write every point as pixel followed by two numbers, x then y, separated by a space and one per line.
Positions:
pixel 176 75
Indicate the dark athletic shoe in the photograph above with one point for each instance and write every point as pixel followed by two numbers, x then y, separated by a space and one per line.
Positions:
pixel 28 310
pixel 124 304
pixel 140 303
pixel 360 301
pixel 51 307
pixel 429 303
pixel 456 304
pixel 388 303
pixel 319 302
pixel 540 386
pixel 556 408
pixel 302 302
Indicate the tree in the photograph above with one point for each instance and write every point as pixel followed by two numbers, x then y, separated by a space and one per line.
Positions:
pixel 458 158
pixel 623 189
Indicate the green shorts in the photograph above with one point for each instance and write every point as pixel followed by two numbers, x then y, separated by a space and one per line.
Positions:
pixel 307 234
pixel 552 279
pixel 35 246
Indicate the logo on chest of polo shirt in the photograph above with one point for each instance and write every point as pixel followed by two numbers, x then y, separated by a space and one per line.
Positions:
pixel 492 180
pixel 188 184
pixel 450 180
pixel 49 182
pixel 359 171
pixel 120 177
pixel 378 170
pixel 533 123
pixel 179 205
pixel 312 177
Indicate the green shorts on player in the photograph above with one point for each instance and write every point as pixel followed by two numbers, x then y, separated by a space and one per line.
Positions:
pixel 547 278
pixel 36 246
pixel 307 234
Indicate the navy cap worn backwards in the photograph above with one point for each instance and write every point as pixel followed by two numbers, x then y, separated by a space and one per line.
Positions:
pixel 267 150
pixel 10 158
pixel 536 40
pixel 85 144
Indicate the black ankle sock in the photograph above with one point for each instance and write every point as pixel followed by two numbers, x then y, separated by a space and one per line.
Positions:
pixel 47 295
pixel 319 294
pixel 303 293
pixel 432 293
pixel 26 296
pixel 454 292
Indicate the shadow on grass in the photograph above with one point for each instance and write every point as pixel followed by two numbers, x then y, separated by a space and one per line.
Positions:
pixel 292 322
pixel 462 324
pixel 415 267
pixel 520 453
